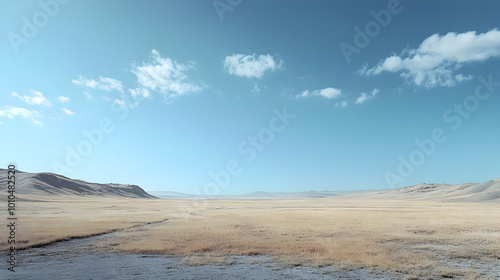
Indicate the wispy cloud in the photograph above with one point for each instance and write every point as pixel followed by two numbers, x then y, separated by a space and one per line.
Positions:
pixel 107 84
pixel 63 99
pixel 304 94
pixel 461 77
pixel 341 104
pixel 251 66
pixel 437 59
pixel 163 75
pixel 139 92
pixel 68 112
pixel 88 95
pixel 120 103
pixel 328 93
pixel 14 112
pixel 256 89
pixel 36 98
pixel 364 96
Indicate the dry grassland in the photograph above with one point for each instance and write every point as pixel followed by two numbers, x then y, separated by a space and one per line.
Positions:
pixel 414 238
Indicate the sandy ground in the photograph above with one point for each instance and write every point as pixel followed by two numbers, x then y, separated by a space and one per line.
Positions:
pixel 59 261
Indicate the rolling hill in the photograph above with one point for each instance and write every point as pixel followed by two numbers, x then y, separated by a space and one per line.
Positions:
pixel 50 184
pixel 470 192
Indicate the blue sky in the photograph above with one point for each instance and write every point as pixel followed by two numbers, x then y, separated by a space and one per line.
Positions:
pixel 231 97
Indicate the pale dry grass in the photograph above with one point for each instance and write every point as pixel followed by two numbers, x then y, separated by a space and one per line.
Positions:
pixel 419 238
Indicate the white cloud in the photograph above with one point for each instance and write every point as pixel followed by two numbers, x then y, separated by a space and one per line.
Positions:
pixel 13 112
pixel 250 66
pixel 36 98
pixel 363 69
pixel 88 95
pixel 68 112
pixel 140 92
pixel 438 57
pixel 121 103
pixel 256 89
pixel 107 84
pixel 106 98
pixel 304 94
pixel 364 96
pixel 461 77
pixel 341 104
pixel 328 93
pixel 164 75
pixel 63 99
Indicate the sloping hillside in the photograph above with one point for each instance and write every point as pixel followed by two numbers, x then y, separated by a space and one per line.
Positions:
pixel 471 192
pixel 50 184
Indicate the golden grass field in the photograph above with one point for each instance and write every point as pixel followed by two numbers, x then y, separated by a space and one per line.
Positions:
pixel 410 237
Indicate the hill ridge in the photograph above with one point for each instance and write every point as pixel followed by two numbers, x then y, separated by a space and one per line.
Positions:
pixel 51 184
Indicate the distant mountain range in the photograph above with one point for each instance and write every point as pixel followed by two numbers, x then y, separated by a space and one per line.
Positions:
pixel 262 195
pixel 471 192
pixel 50 184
